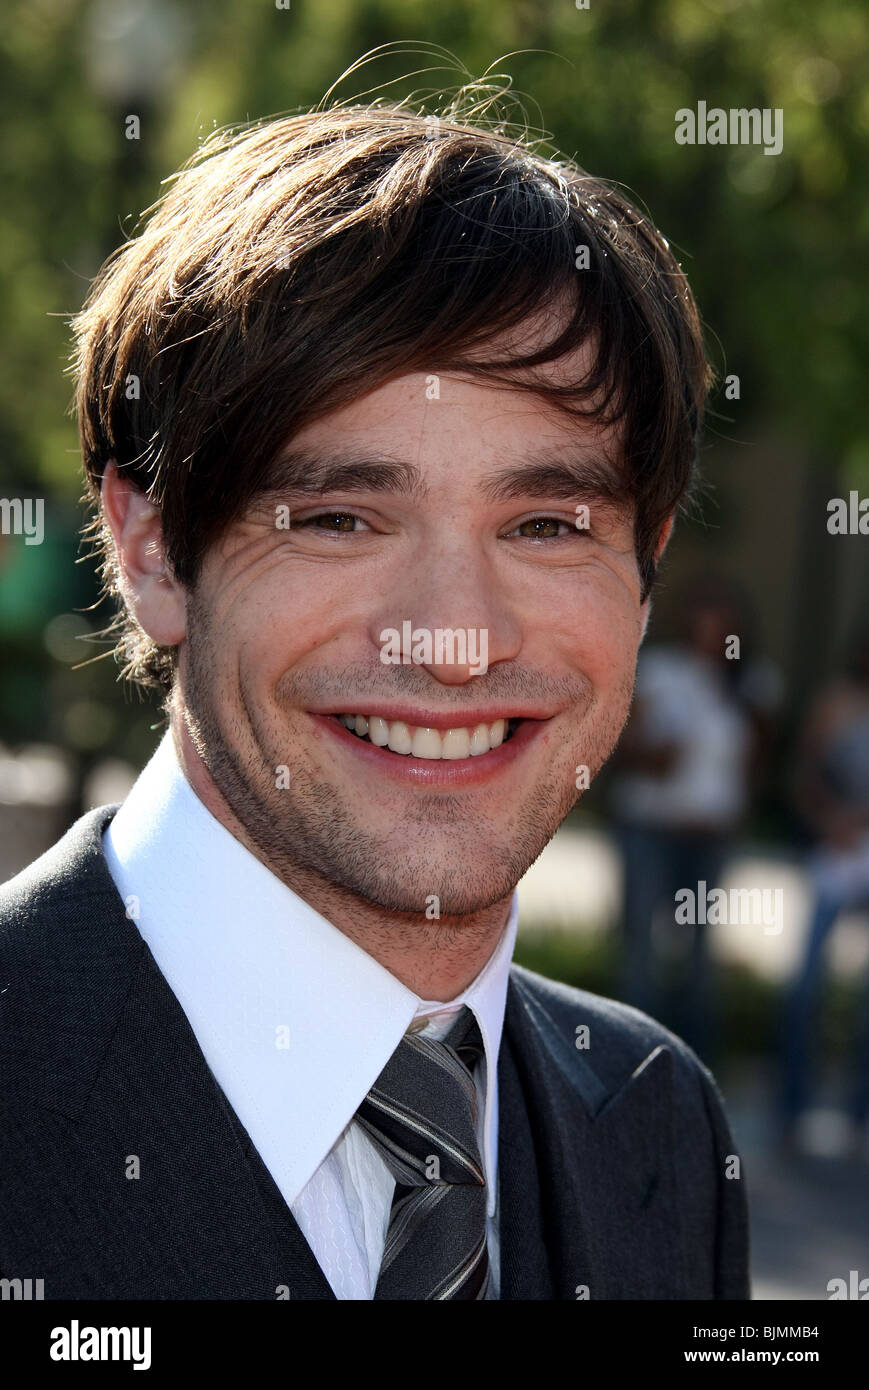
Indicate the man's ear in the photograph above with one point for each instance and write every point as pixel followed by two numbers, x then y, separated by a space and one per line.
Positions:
pixel 660 546
pixel 664 535
pixel 150 591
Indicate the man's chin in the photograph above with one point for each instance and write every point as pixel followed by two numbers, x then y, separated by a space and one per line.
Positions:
pixel 434 906
pixel 432 885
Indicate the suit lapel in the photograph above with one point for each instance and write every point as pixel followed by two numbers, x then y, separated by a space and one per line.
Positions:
pixel 231 1235
pixel 588 1170
pixel 525 1265
pixel 156 1190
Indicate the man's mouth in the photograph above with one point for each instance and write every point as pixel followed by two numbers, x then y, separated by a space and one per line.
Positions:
pixel 470 741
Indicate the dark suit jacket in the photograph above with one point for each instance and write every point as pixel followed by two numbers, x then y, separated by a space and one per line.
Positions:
pixel 612 1160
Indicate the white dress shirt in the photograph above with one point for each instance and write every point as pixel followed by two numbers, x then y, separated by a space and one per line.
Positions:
pixel 294 1019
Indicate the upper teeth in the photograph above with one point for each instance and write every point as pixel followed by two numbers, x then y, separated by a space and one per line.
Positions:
pixel 427 743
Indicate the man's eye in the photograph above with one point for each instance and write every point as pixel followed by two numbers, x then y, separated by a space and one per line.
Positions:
pixel 542 528
pixel 331 521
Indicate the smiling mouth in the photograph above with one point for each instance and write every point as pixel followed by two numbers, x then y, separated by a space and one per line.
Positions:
pixel 471 741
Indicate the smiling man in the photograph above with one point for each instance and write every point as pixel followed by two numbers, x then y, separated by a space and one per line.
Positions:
pixel 364 402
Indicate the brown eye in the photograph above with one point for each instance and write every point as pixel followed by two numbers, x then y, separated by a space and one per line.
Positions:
pixel 338 521
pixel 539 528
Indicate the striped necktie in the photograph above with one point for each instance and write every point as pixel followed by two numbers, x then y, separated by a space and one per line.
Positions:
pixel 420 1114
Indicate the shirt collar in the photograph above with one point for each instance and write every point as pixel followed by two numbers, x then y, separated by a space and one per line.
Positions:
pixel 294 1019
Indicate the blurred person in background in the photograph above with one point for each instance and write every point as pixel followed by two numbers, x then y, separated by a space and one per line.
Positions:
pixel 832 793
pixel 699 726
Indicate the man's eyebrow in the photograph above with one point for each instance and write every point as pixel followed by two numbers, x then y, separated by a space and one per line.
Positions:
pixel 308 472
pixel 550 476
pixel 313 473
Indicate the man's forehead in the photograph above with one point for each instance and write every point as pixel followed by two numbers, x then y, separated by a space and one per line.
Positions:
pixel 512 440
pixel 426 412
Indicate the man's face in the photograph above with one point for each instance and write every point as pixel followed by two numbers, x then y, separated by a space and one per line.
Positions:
pixel 286 624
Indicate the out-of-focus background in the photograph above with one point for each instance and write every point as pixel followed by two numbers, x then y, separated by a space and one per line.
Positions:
pixel 743 778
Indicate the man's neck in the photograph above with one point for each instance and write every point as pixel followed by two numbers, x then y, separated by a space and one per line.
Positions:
pixel 436 959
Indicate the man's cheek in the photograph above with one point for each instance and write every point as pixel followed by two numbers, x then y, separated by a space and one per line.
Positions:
pixel 604 654
pixel 265 645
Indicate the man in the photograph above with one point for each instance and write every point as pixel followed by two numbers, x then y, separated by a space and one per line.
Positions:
pixel 700 721
pixel 831 786
pixel 386 425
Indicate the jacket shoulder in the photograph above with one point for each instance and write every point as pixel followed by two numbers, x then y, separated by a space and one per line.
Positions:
pixel 74 864
pixel 66 954
pixel 618 1024
pixel 625 1046
pixel 622 1037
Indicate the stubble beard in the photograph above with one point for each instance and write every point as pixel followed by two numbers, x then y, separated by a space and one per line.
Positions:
pixel 310 835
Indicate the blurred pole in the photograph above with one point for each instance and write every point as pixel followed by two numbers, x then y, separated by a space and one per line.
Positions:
pixel 134 54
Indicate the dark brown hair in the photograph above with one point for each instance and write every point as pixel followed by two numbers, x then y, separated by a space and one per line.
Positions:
pixel 297 263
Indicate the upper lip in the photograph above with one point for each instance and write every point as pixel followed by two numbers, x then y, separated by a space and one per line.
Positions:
pixel 436 719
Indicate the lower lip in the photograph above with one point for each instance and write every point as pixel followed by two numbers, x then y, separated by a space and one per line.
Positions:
pixel 435 772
